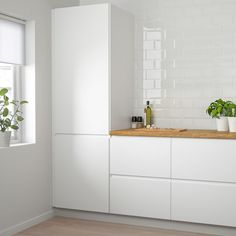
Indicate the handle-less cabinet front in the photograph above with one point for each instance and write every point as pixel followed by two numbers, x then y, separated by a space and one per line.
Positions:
pixel 204 202
pixel 204 159
pixel 81 164
pixel 134 196
pixel 81 69
pixel 140 156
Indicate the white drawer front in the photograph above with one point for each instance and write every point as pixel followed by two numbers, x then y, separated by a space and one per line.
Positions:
pixel 140 156
pixel 140 197
pixel 208 203
pixel 201 159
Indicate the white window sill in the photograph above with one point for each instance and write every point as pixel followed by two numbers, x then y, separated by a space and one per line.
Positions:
pixel 17 145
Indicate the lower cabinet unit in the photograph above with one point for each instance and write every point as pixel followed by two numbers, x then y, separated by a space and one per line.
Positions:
pixel 204 202
pixel 81 172
pixel 137 196
pixel 163 178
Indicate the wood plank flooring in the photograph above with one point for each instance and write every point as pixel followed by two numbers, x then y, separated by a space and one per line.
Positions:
pixel 60 226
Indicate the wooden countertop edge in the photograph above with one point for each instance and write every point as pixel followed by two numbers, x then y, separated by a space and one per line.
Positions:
pixel 204 134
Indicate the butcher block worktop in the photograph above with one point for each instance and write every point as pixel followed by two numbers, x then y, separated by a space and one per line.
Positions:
pixel 174 133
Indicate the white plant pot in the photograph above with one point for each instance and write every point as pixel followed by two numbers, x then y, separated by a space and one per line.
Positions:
pixel 5 138
pixel 222 124
pixel 232 124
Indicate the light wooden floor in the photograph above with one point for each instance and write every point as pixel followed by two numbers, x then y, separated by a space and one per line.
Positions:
pixel 59 226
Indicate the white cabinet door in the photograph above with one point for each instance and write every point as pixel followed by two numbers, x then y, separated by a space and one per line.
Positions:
pixel 81 177
pixel 140 197
pixel 139 156
pixel 201 159
pixel 80 42
pixel 199 202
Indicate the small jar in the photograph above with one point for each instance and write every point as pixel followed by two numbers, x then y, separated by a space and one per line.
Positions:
pixel 139 122
pixel 134 122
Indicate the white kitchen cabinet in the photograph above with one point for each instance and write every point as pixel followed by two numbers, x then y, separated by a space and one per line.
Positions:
pixel 81 172
pixel 93 57
pixel 93 62
pixel 204 202
pixel 204 159
pixel 134 196
pixel 140 156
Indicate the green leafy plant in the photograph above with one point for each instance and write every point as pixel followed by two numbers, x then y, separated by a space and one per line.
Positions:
pixel 231 109
pixel 218 108
pixel 10 119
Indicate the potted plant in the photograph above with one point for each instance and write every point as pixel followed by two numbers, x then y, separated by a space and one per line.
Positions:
pixel 218 110
pixel 9 120
pixel 232 117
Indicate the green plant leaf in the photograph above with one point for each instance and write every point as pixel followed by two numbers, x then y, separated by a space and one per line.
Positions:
pixel 5 112
pixel 3 91
pixel 20 118
pixel 15 127
pixel 6 98
pixel 7 122
pixel 214 114
pixel 23 102
pixel 14 103
pixel 219 109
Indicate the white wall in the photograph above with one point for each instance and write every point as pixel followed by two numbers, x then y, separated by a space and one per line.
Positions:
pixel 25 171
pixel 63 3
pixel 185 57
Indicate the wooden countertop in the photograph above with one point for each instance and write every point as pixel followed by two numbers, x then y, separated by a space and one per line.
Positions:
pixel 175 133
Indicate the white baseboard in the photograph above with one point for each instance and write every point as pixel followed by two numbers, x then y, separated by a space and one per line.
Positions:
pixel 138 221
pixel 27 224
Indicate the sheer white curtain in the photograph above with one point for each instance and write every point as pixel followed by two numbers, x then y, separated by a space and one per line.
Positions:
pixel 12 42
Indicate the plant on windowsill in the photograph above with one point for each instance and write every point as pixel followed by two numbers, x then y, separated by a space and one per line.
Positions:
pixel 218 110
pixel 9 120
pixel 231 113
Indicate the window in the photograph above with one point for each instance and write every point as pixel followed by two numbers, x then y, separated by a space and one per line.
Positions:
pixel 10 79
pixel 12 59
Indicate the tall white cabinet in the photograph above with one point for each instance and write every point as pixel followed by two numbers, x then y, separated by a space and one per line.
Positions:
pixel 92 93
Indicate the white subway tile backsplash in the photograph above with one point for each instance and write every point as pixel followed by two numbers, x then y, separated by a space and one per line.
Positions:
pixel 163 123
pixel 153 35
pixel 163 103
pixel 148 64
pixel 157 64
pixel 158 84
pixel 153 93
pixel 148 45
pixel 148 84
pixel 153 74
pixel 204 123
pixel 158 45
pixel 229 92
pixel 153 54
